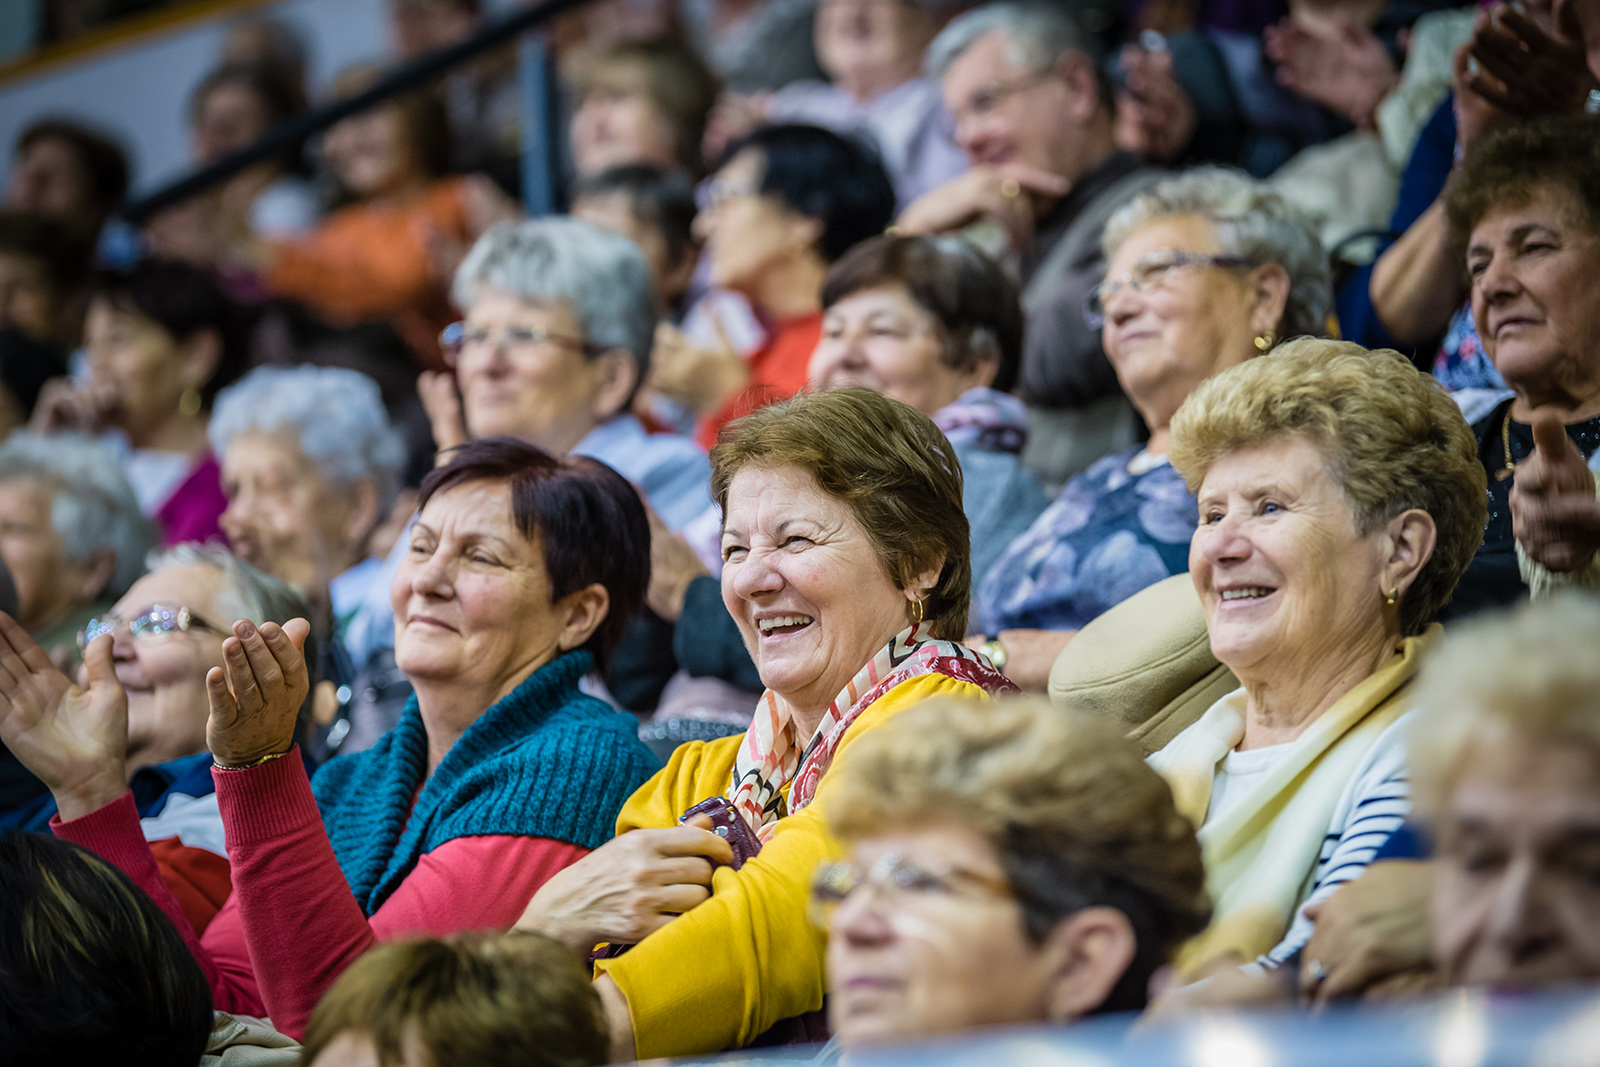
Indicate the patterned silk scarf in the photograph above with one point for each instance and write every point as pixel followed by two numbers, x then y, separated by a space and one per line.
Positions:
pixel 773 754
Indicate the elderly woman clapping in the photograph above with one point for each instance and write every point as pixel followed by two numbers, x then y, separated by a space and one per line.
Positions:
pixel 520 572
pixel 1527 206
pixel 1340 500
pixel 1205 271
pixel 846 568
pixel 1007 864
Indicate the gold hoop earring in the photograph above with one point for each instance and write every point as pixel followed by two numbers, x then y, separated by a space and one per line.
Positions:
pixel 1266 339
pixel 189 403
pixel 917 603
pixel 1394 594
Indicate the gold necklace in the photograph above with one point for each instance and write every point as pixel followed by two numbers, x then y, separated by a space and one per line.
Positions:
pixel 1510 469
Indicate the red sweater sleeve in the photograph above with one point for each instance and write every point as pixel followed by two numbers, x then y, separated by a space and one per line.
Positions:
pixel 113 833
pixel 298 916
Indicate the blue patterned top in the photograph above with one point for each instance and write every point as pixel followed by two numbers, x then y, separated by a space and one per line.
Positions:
pixel 1111 533
pixel 1461 362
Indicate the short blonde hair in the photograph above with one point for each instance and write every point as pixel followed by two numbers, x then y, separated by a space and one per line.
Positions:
pixel 1392 436
pixel 1531 673
pixel 1076 816
pixel 889 463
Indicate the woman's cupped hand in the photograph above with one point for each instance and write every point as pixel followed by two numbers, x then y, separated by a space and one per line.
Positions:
pixel 73 738
pixel 627 888
pixel 256 694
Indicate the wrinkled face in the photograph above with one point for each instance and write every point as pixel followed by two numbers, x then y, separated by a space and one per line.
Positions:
pixel 370 152
pixel 283 515
pixel 1516 901
pixel 802 579
pixel 946 953
pixel 876 42
pixel 165 675
pixel 1533 269
pixel 746 232
pixel 47 581
pixel 1183 325
pixel 135 368
pixel 1282 570
pixel 882 339
pixel 546 393
pixel 49 179
pixel 619 122
pixel 472 597
pixel 230 117
pixel 27 299
pixel 1005 113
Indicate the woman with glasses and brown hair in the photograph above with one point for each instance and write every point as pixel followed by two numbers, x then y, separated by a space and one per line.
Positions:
pixel 1204 271
pixel 1006 864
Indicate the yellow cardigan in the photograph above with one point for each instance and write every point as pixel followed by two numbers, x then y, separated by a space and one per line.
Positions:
pixel 721 975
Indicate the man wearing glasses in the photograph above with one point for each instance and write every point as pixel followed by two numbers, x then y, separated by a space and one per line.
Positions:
pixel 1033 114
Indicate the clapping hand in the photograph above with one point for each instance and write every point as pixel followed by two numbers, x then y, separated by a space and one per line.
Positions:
pixel 1554 514
pixel 256 694
pixel 74 739
pixel 1525 70
pixel 1350 73
pixel 1154 117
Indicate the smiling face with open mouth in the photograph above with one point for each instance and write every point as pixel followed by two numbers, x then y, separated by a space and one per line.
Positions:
pixel 804 582
pixel 1285 575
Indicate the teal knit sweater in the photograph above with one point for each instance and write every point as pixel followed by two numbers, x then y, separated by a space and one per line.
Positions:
pixel 545 761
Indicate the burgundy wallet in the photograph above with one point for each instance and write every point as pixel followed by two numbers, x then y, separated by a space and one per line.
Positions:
pixel 729 825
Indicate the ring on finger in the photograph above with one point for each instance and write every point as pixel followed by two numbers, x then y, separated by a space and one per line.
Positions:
pixel 1317 972
pixel 1010 188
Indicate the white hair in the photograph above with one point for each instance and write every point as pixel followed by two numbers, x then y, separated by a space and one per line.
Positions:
pixel 1252 221
pixel 93 508
pixel 335 415
pixel 1037 35
pixel 601 276
pixel 249 593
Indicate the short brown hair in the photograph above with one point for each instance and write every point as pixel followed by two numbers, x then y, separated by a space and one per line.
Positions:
pixel 1531 672
pixel 676 79
pixel 1076 816
pixel 500 998
pixel 974 303
pixel 1506 168
pixel 1393 438
pixel 889 463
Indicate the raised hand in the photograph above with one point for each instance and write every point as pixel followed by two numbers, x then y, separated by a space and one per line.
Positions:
pixel 1350 73
pixel 257 692
pixel 1525 70
pixel 442 401
pixel 1005 194
pixel 1554 514
pixel 75 740
pixel 1154 115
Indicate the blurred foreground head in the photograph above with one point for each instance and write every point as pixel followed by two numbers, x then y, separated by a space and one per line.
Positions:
pixel 1007 863
pixel 1506 756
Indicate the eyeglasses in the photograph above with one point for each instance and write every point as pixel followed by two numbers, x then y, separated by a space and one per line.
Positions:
pixel 715 192
pixel 458 339
pixel 986 99
pixel 1151 272
pixel 899 879
pixel 156 621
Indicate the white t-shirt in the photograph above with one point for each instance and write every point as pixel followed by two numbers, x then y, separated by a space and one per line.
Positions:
pixel 1238 774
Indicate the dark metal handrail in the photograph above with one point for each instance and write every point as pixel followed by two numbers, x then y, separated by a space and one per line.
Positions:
pixel 292 131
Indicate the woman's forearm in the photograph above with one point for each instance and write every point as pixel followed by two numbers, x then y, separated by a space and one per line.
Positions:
pixel 1416 283
pixel 618 1019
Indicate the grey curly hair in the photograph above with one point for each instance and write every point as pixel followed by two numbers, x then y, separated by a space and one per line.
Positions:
pixel 1251 221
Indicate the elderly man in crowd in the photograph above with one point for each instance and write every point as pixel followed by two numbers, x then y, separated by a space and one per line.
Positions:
pixel 1032 113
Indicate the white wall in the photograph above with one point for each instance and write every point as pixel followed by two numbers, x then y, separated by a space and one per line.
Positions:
pixel 141 93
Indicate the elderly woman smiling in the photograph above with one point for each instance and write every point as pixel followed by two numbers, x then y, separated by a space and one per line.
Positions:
pixel 1205 271
pixel 1008 864
pixel 847 571
pixel 521 571
pixel 1340 501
